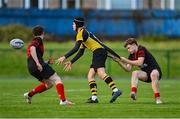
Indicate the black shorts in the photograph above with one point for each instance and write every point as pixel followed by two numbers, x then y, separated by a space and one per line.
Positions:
pixel 44 74
pixel 99 58
pixel 149 75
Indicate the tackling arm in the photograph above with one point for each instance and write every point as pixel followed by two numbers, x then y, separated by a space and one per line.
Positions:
pixel 125 66
pixel 138 62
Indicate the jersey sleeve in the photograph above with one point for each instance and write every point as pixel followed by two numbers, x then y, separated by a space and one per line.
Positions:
pixel 141 53
pixel 35 43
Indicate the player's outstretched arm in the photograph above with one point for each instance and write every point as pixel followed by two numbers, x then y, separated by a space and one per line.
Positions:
pixel 68 65
pixel 137 62
pixel 78 55
pixel 71 52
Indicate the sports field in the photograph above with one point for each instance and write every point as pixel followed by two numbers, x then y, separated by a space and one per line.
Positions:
pixel 12 103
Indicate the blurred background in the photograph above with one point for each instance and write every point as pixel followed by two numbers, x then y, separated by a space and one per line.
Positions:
pixel 155 23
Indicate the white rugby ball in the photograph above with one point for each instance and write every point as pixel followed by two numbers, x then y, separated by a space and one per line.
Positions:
pixel 16 43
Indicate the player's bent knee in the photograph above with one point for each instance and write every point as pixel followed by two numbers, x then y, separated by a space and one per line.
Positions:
pixel 135 74
pixel 49 84
pixel 55 78
pixel 154 75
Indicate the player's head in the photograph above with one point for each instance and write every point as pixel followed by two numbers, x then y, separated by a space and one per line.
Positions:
pixel 131 45
pixel 38 30
pixel 78 23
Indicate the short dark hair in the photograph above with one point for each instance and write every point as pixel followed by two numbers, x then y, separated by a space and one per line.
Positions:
pixel 130 41
pixel 38 30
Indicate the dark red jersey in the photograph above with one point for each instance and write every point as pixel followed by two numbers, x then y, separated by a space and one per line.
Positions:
pixel 149 61
pixel 38 43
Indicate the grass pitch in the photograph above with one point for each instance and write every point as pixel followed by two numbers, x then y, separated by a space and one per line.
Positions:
pixel 12 103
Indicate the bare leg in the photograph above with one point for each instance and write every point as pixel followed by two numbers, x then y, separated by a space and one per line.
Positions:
pixel 45 85
pixel 155 85
pixel 116 92
pixel 92 86
pixel 59 86
pixel 60 89
pixel 136 75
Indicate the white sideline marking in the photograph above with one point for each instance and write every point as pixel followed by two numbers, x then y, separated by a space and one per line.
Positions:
pixel 75 90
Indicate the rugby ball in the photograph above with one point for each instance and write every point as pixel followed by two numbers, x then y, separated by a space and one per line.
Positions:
pixel 16 43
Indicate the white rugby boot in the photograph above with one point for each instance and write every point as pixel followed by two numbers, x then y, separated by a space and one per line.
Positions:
pixel 66 102
pixel 28 98
pixel 158 101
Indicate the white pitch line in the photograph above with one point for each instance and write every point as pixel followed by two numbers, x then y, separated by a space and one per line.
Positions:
pixel 75 90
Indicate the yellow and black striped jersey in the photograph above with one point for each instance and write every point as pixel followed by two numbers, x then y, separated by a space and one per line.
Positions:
pixel 85 39
pixel 89 41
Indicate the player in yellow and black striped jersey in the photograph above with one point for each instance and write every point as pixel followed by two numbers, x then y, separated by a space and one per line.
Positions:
pixel 87 40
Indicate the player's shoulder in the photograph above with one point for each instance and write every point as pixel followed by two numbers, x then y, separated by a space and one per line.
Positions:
pixel 36 41
pixel 82 34
pixel 140 47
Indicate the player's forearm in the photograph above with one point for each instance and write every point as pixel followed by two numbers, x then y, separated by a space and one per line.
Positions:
pixel 33 54
pixel 74 50
pixel 79 54
pixel 125 66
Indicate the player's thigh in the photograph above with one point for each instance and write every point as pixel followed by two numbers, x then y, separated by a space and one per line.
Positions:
pixel 37 75
pixel 141 75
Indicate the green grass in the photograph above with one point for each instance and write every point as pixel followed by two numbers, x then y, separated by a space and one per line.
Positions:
pixel 14 62
pixel 47 105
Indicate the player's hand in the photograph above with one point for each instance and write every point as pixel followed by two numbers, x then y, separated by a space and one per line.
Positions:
pixel 67 66
pixel 39 66
pixel 60 60
pixel 116 59
pixel 50 61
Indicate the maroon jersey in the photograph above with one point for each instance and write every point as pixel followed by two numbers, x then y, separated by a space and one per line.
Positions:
pixel 149 61
pixel 36 42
